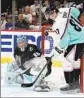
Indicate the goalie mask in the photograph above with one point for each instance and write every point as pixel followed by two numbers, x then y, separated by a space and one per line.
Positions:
pixel 21 42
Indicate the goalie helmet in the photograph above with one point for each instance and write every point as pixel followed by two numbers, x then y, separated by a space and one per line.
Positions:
pixel 22 42
pixel 21 38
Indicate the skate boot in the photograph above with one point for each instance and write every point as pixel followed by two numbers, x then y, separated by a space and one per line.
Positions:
pixel 42 86
pixel 68 87
pixel 71 88
pixel 76 86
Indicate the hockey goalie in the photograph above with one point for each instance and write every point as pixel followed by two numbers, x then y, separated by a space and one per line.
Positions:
pixel 29 61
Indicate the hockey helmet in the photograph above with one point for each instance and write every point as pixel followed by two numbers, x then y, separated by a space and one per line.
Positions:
pixel 21 38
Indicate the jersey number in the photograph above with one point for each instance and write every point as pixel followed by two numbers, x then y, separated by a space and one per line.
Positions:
pixel 57 31
pixel 76 27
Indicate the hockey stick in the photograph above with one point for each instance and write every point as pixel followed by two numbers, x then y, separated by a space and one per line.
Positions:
pixel 31 84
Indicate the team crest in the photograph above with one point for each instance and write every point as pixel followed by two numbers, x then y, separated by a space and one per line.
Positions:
pixel 30 49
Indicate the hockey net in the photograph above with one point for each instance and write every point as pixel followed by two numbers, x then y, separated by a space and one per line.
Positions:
pixel 44 33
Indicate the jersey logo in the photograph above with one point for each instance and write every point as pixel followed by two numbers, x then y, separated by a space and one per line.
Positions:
pixel 30 49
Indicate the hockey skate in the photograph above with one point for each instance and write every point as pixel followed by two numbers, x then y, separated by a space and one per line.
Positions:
pixel 71 88
pixel 42 86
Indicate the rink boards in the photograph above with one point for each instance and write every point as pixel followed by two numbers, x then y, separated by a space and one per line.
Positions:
pixel 8 44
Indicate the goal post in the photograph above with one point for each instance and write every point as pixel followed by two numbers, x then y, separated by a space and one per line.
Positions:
pixel 82 74
pixel 43 29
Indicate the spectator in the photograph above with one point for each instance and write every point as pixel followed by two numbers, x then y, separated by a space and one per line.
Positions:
pixel 16 14
pixel 70 3
pixel 57 4
pixel 21 23
pixel 34 8
pixel 3 21
pixel 27 15
pixel 35 20
pixel 19 11
pixel 46 5
pixel 81 19
pixel 9 24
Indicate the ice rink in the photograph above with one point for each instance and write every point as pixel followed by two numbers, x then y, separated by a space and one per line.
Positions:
pixel 56 80
pixel 28 92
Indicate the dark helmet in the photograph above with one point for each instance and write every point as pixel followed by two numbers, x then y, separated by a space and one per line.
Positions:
pixel 51 9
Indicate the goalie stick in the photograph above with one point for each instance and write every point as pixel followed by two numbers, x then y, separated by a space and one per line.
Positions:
pixel 31 84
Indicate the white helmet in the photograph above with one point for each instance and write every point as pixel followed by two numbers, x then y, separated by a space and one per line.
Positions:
pixel 21 38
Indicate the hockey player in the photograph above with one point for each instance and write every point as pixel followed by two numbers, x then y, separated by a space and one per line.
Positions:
pixel 28 57
pixel 73 53
pixel 70 24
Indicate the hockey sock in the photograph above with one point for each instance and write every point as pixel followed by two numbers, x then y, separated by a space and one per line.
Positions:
pixel 76 75
pixel 69 76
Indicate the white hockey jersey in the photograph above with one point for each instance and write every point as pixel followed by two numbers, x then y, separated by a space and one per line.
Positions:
pixel 65 29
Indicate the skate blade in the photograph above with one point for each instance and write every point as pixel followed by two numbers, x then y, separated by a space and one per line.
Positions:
pixel 42 90
pixel 77 91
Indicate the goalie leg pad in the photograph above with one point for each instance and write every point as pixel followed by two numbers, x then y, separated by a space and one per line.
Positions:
pixel 13 77
pixel 38 64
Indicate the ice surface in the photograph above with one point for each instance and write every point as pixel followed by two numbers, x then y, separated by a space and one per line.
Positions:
pixel 56 79
pixel 28 92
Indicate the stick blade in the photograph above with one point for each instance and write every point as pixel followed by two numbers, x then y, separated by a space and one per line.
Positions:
pixel 26 85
